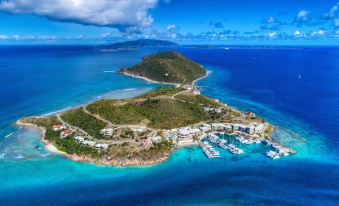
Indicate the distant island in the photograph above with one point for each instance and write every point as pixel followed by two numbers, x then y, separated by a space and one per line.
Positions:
pixel 144 130
pixel 136 44
pixel 166 67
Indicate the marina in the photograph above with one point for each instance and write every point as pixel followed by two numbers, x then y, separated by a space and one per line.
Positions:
pixel 209 150
pixel 222 143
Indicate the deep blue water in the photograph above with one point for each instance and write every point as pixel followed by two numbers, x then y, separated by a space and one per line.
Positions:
pixel 294 88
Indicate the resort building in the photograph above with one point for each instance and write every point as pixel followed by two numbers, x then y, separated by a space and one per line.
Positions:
pixel 79 138
pixel 156 139
pixel 196 91
pixel 139 129
pixel 259 128
pixel 205 127
pixel 251 114
pixel 66 133
pixel 216 109
pixel 171 136
pixel 58 127
pixel 106 131
pixel 218 126
pixel 101 146
pixel 188 132
pixel 88 143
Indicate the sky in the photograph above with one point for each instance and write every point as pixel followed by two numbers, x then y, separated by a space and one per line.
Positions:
pixel 225 22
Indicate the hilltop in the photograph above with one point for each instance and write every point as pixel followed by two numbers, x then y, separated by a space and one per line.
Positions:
pixel 166 67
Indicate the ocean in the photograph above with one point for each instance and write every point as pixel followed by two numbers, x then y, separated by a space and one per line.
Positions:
pixel 295 88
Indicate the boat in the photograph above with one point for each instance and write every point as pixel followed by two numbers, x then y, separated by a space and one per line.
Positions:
pixel 272 154
pixel 209 150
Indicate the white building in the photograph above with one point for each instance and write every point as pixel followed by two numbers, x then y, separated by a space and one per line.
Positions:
pixel 259 128
pixel 196 91
pixel 218 109
pixel 101 146
pixel 188 132
pixel 89 143
pixel 79 138
pixel 156 138
pixel 170 136
pixel 239 128
pixel 139 129
pixel 205 127
pixel 207 109
pixel 106 131
pixel 218 126
pixel 250 129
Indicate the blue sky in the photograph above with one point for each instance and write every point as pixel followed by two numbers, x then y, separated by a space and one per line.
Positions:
pixel 295 22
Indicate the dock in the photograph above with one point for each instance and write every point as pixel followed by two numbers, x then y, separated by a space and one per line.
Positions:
pixel 209 151
pixel 223 144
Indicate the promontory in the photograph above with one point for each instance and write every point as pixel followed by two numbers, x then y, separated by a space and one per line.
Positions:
pixel 145 129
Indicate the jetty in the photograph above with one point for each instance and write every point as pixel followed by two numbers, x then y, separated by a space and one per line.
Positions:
pixel 209 151
pixel 222 143
pixel 278 150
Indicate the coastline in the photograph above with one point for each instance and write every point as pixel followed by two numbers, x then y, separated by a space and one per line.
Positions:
pixel 157 82
pixel 108 161
pixel 49 146
pixel 85 159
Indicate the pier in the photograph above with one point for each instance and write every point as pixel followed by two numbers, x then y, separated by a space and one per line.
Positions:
pixel 209 150
pixel 278 150
pixel 223 144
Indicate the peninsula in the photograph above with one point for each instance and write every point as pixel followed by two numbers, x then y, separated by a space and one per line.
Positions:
pixel 145 129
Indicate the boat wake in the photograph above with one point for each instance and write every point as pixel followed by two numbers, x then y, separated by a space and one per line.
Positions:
pixel 10 134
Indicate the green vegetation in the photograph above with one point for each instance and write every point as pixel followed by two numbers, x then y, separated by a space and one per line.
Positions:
pixel 167 66
pixel 117 114
pixel 157 109
pixel 162 113
pixel 161 91
pixel 68 144
pixel 78 118
pixel 199 99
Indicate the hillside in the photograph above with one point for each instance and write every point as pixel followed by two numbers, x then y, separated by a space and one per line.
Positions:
pixel 167 67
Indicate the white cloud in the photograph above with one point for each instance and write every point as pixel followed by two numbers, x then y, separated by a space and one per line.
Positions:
pixel 125 15
pixel 297 33
pixel 319 33
pixel 302 16
pixel 272 34
pixel 336 22
pixel 105 35
pixel 2 37
pixel 171 28
pixel 333 12
pixel 270 20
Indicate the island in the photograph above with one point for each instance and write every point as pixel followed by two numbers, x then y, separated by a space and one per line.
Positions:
pixel 137 44
pixel 146 129
pixel 168 67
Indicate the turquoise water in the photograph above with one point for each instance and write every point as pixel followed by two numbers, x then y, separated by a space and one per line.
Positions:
pixel 47 79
